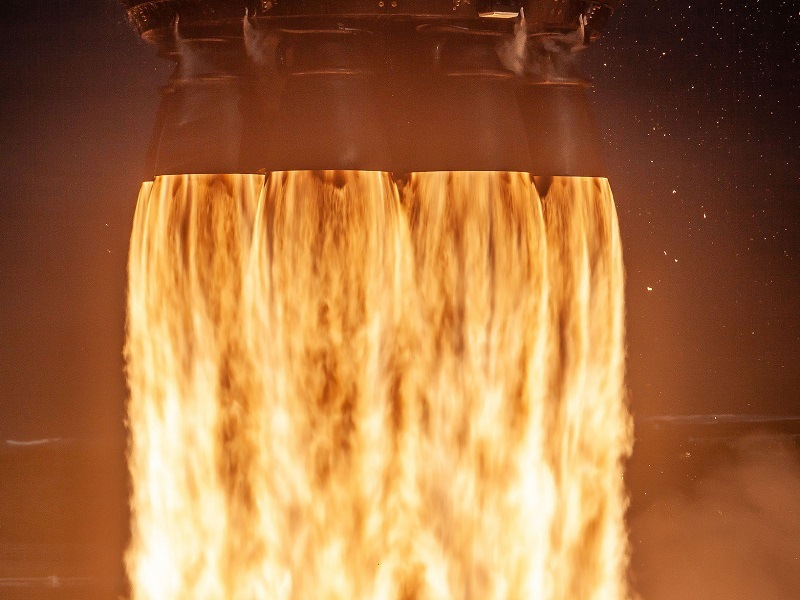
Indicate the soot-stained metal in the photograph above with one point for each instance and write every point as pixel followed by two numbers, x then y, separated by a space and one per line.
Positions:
pixel 387 85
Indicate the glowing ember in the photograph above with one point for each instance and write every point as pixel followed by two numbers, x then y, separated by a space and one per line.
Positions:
pixel 347 387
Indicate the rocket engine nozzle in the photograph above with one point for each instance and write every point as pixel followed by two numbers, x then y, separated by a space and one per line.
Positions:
pixel 398 86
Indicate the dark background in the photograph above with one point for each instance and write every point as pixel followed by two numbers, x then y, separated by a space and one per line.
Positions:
pixel 78 93
pixel 702 107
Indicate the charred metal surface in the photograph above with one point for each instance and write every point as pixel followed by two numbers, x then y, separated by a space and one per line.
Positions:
pixel 391 85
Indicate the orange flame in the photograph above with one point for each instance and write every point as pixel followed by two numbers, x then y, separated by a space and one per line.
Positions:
pixel 344 386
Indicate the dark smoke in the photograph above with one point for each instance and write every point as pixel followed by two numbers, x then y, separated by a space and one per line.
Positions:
pixel 733 532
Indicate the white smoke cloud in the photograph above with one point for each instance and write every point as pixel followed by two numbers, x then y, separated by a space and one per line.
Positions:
pixel 259 45
pixel 187 57
pixel 192 60
pixel 513 51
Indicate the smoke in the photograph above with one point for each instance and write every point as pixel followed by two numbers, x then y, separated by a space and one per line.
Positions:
pixel 513 51
pixel 259 45
pixel 192 60
pixel 735 533
pixel 543 56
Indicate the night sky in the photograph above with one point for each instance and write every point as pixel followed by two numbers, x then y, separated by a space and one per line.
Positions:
pixel 700 106
pixel 701 102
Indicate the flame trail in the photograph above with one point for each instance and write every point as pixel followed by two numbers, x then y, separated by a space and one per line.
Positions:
pixel 344 386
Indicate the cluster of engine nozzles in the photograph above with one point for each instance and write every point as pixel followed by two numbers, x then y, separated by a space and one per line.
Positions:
pixel 399 94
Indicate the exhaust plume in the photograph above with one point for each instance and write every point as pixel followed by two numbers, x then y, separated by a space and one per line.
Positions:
pixel 345 389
